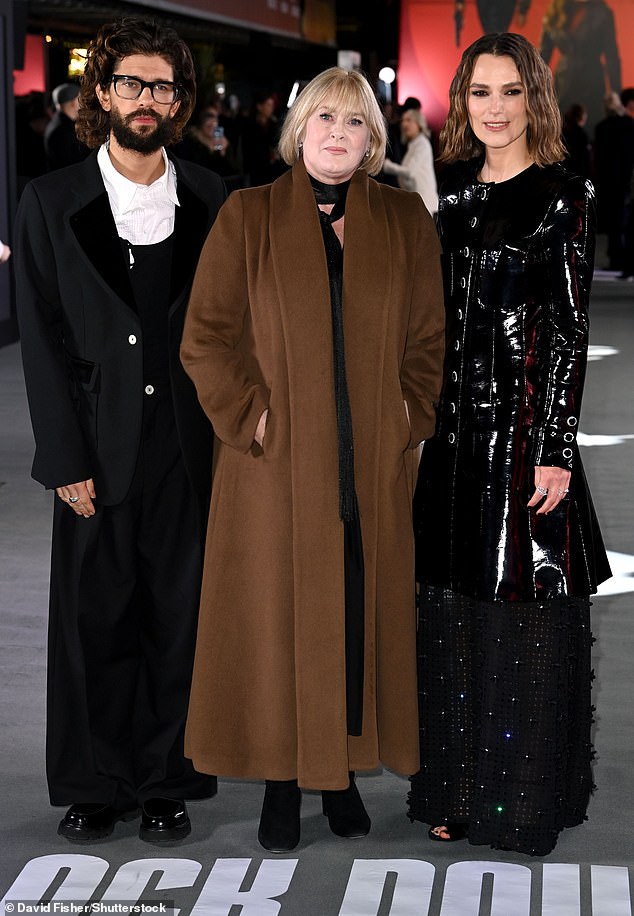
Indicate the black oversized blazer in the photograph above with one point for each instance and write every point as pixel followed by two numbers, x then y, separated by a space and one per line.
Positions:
pixel 81 336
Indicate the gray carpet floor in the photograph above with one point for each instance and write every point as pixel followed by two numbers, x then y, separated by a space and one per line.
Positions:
pixel 220 870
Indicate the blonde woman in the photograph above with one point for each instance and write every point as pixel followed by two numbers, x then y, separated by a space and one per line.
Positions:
pixel 314 337
pixel 416 171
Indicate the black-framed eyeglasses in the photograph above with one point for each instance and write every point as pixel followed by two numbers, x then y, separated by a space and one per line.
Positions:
pixel 130 87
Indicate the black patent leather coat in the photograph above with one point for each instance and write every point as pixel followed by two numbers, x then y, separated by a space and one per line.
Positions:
pixel 518 259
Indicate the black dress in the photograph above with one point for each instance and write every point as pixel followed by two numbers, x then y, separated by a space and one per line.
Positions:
pixel 504 633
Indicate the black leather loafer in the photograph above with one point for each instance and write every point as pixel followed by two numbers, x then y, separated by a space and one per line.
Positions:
pixel 90 821
pixel 164 820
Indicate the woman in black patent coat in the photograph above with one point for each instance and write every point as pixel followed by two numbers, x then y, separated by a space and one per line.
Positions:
pixel 508 547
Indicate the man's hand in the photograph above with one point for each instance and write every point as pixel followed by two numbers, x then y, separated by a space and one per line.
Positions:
pixel 79 496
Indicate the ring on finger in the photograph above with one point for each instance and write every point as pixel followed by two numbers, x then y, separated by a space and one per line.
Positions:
pixel 73 499
pixel 542 490
pixel 562 492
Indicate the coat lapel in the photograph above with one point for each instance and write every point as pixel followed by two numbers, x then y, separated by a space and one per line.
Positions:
pixel 96 233
pixel 301 275
pixel 367 284
pixel 91 221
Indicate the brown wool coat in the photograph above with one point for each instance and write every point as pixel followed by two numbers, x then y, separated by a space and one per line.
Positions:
pixel 268 691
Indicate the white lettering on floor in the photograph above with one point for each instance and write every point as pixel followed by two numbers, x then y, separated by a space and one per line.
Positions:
pixel 501 887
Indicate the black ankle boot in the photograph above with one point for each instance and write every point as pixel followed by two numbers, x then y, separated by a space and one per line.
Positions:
pixel 279 821
pixel 345 811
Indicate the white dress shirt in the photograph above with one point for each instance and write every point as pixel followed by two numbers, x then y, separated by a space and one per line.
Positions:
pixel 143 214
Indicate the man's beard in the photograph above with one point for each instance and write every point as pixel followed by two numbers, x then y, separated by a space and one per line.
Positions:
pixel 147 140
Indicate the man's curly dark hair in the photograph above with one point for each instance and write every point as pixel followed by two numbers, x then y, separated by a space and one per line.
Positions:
pixel 120 39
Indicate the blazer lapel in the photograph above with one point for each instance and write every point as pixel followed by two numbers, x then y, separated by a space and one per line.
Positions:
pixel 96 232
pixel 91 221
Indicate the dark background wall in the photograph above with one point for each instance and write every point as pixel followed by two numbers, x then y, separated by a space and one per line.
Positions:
pixel 7 165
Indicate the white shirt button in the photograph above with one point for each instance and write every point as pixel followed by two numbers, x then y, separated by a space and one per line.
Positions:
pixel 132 339
pixel 149 389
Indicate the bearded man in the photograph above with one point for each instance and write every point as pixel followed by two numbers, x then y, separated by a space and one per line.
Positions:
pixel 105 255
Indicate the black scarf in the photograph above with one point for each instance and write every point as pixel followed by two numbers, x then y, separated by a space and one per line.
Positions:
pixel 336 194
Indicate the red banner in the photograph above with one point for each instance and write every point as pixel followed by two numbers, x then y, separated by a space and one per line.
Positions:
pixel 586 42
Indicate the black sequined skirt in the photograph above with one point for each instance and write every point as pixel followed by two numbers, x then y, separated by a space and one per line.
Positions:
pixel 505 718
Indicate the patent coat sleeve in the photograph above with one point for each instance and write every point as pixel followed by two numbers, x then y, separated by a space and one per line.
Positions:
pixel 61 452
pixel 421 372
pixel 211 348
pixel 569 234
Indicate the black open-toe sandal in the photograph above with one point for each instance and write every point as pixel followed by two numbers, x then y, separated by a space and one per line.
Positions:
pixel 454 832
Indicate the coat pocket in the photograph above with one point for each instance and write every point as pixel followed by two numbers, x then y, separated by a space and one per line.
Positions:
pixel 87 373
pixel 85 384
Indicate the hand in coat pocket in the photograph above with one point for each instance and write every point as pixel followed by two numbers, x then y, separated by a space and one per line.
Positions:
pixel 261 428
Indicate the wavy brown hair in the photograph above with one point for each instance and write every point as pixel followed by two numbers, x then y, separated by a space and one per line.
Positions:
pixel 112 43
pixel 543 134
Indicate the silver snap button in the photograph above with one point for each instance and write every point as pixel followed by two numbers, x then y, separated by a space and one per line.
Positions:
pixel 572 421
pixel 452 438
pixel 454 376
pixel 568 437
pixel 474 222
pixel 567 453
pixel 132 339
pixel 459 314
pixel 453 407
pixel 149 389
pixel 463 282
pixel 465 252
pixel 456 345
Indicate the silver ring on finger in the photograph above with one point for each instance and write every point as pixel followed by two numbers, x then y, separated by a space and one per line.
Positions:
pixel 561 492
pixel 73 499
pixel 542 490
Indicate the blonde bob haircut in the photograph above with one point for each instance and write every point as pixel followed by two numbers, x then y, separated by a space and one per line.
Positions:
pixel 343 90
pixel 543 134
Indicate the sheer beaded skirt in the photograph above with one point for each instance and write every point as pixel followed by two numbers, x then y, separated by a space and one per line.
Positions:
pixel 505 718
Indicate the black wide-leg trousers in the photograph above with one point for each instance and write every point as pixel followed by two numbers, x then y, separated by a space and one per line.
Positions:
pixel 123 613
